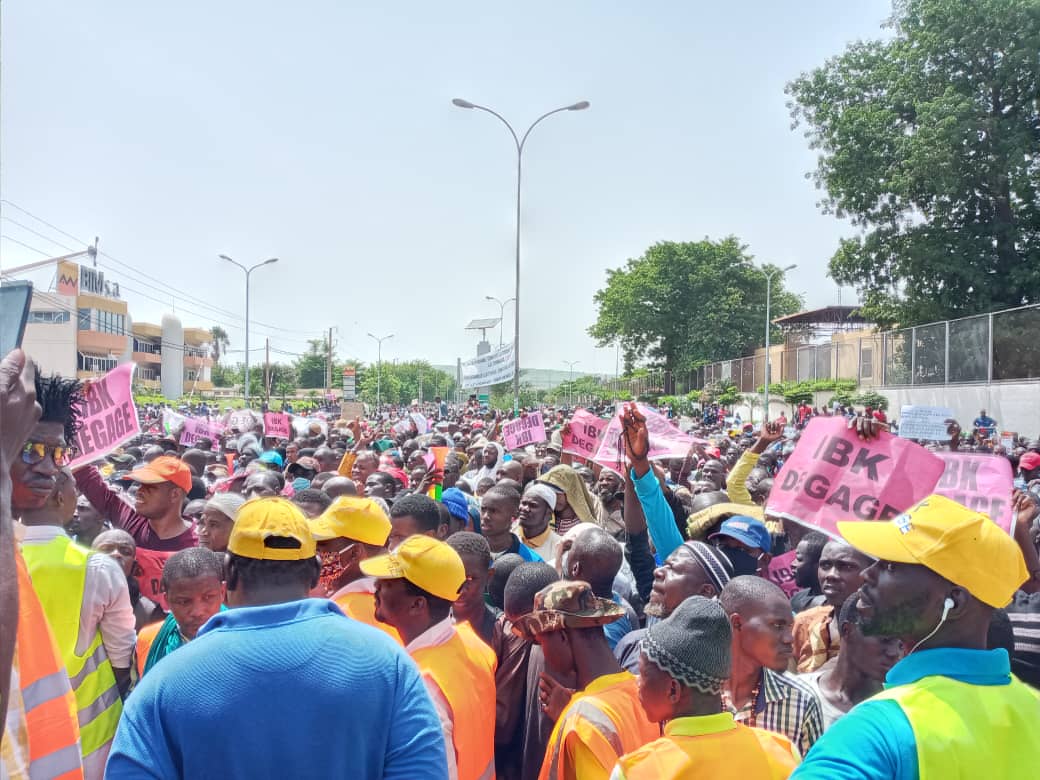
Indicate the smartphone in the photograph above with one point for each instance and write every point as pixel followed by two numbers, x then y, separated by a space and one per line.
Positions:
pixel 15 298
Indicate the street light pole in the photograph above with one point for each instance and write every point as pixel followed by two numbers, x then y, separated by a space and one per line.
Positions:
pixel 769 284
pixel 570 394
pixel 501 313
pixel 248 273
pixel 520 141
pixel 379 366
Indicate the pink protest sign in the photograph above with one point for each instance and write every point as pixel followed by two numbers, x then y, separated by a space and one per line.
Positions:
pixel 781 571
pixel 196 428
pixel 523 431
pixel 277 425
pixel 833 476
pixel 585 434
pixel 108 416
pixel 980 482
pixel 666 441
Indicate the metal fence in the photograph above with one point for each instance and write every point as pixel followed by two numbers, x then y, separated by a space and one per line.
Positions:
pixel 1000 347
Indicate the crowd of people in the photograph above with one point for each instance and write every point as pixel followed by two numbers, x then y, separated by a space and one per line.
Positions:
pixel 367 599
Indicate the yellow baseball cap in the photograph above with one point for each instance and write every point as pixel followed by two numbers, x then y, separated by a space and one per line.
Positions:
pixel 352 517
pixel 425 562
pixel 965 547
pixel 262 518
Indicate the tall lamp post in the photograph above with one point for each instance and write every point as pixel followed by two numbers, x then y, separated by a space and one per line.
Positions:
pixel 572 364
pixel 501 313
pixel 379 366
pixel 769 285
pixel 520 141
pixel 248 271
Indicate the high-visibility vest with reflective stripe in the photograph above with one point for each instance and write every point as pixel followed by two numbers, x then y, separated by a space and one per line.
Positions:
pixel 741 752
pixel 965 730
pixel 607 719
pixel 362 607
pixel 464 670
pixel 50 706
pixel 59 572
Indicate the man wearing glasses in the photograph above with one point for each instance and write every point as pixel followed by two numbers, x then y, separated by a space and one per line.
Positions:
pixel 83 594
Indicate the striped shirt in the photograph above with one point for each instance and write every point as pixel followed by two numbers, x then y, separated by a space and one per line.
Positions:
pixel 1024 613
pixel 784 705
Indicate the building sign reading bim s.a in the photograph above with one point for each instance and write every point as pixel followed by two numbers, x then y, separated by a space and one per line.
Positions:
pixel 93 281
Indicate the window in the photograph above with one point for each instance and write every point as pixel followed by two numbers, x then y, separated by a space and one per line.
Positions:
pixel 84 319
pixel 866 363
pixel 95 363
pixel 146 346
pixel 48 317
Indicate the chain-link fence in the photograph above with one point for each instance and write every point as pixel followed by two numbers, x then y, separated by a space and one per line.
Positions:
pixel 1000 347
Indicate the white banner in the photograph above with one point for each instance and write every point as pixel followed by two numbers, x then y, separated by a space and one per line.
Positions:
pixel 490 369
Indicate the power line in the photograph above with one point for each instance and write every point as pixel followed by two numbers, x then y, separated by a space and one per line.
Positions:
pixel 148 278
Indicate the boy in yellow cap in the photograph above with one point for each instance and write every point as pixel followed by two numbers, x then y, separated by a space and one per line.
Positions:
pixel 951 707
pixel 416 585
pixel 351 530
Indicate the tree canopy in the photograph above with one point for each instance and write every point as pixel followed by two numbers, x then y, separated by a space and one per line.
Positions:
pixel 928 142
pixel 685 304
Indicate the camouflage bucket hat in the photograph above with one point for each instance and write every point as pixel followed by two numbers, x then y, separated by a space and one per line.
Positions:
pixel 566 604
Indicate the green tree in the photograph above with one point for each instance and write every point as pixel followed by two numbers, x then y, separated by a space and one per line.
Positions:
pixel 685 304
pixel 928 144
pixel 311 365
pixel 219 345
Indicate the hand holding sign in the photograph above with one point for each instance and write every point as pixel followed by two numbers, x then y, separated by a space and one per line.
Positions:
pixel 108 416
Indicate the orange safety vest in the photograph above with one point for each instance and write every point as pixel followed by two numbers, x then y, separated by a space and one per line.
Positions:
pixel 738 751
pixel 51 719
pixel 361 606
pixel 607 719
pixel 464 670
pixel 145 637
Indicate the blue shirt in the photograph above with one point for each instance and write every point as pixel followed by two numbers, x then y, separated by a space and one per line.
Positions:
pixel 288 690
pixel 660 521
pixel 875 740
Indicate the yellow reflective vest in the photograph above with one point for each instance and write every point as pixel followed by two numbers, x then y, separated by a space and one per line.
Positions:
pixel 59 572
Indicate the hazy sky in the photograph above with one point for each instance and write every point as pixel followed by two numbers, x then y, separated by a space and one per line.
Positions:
pixel 323 133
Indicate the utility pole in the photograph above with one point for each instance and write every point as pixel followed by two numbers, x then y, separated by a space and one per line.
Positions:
pixel 267 372
pixel 328 367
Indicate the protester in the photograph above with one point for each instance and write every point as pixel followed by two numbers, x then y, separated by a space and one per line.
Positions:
pixel 805 569
pixel 951 708
pixel 415 514
pixel 683 665
pixel 193 584
pixel 858 670
pixel 498 514
pixel 271 568
pixel 218 518
pixel 602 720
pixel 574 503
pixel 759 691
pixel 86 523
pixel 694 569
pixel 817 632
pixel 416 586
pixel 470 607
pixel 83 594
pixel 118 545
pixel 534 517
pixel 596 558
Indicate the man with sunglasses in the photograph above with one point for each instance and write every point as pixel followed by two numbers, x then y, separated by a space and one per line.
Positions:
pixel 83 594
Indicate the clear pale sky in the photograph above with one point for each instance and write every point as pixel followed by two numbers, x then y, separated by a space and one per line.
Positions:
pixel 323 133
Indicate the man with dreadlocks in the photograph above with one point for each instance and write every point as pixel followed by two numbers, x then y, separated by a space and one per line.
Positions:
pixel 83 593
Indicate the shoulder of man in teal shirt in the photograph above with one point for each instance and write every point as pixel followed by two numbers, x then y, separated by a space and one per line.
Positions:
pixel 875 740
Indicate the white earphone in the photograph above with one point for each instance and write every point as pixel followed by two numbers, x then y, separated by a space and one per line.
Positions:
pixel 948 604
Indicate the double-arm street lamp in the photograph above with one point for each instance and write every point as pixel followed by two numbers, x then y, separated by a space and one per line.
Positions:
pixel 248 272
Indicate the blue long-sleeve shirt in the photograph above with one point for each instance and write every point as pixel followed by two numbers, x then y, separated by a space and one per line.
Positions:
pixel 659 518
pixel 875 741
pixel 288 690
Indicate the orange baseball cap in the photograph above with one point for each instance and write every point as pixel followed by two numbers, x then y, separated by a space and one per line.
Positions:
pixel 165 468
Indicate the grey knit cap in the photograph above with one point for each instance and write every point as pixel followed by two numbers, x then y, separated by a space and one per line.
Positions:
pixel 226 503
pixel 692 645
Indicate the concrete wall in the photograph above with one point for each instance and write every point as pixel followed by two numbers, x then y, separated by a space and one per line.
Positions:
pixel 172 378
